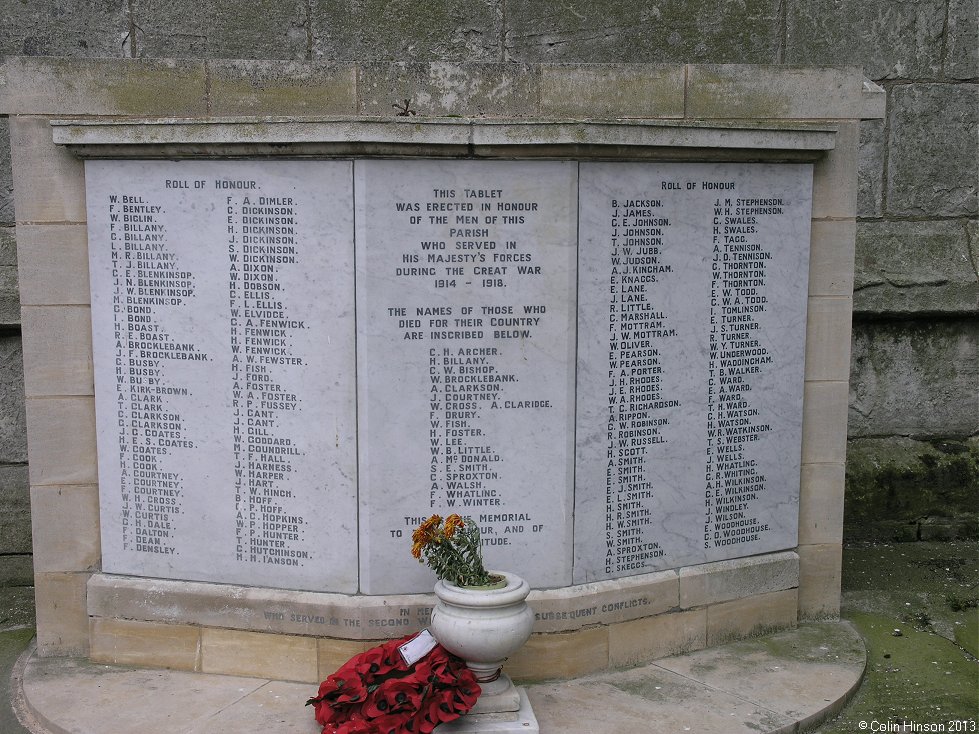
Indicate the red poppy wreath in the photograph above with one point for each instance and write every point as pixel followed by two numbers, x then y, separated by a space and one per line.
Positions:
pixel 377 692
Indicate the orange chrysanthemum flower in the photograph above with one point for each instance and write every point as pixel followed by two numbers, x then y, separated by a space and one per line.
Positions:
pixel 453 550
pixel 425 532
pixel 452 523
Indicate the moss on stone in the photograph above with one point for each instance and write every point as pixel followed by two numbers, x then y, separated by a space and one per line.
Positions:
pixel 927 585
pixel 281 88
pixel 912 676
pixel 967 636
pixel 809 643
pixel 716 95
pixel 926 591
pixel 902 489
pixel 277 100
pixel 164 88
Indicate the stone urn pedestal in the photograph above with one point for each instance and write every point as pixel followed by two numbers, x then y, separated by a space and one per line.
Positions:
pixel 484 626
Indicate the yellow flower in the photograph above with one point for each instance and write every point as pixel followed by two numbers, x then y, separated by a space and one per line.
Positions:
pixel 416 550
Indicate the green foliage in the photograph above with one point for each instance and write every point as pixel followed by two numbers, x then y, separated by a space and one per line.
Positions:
pixel 452 550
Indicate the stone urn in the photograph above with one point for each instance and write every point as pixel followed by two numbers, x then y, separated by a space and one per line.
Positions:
pixel 484 625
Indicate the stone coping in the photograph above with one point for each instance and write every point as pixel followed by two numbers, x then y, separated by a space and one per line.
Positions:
pixel 361 617
pixel 223 136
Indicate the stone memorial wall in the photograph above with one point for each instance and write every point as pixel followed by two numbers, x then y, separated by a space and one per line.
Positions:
pixel 262 348
pixel 601 363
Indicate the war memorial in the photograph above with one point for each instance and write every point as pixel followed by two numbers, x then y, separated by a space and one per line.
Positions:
pixel 280 315
pixel 648 290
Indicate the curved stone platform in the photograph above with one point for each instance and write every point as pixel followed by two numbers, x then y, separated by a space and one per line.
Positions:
pixel 785 682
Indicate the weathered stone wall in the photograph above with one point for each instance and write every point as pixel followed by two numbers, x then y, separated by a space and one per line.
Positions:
pixel 915 388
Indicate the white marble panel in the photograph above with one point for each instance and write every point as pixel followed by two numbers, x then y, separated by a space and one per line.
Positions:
pixel 691 338
pixel 465 328
pixel 223 327
pixel 225 368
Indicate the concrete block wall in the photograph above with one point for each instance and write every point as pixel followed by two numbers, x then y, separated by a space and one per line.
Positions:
pixel 916 337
